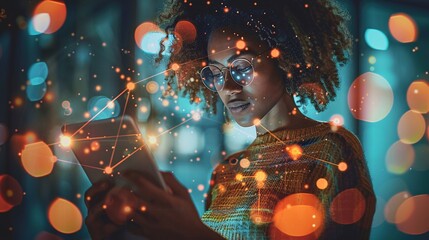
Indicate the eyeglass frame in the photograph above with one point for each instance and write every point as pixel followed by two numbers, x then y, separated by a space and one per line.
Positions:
pixel 229 69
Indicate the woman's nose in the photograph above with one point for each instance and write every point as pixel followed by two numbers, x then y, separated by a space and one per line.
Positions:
pixel 231 87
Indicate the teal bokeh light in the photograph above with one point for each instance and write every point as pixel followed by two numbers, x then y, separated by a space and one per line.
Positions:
pixel 376 39
pixel 38 73
pixel 98 103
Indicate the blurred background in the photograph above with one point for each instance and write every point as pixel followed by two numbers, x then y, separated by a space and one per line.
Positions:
pixel 63 61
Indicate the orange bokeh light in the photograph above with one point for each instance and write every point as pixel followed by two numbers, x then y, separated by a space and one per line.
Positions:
pixel 322 183
pixel 57 12
pixel 144 29
pixel 342 166
pixel 64 216
pixel 412 215
pixel 403 28
pixel 399 157
pixel 10 193
pixel 418 96
pixel 240 44
pixel 175 66
pixel 295 151
pixel 411 127
pixel 393 204
pixel 348 206
pixel 186 30
pixel 297 215
pixel 37 159
pixel 275 53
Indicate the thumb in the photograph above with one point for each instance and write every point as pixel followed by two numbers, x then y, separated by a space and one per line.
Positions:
pixel 176 187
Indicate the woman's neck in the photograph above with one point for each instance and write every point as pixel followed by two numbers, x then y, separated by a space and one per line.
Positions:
pixel 285 114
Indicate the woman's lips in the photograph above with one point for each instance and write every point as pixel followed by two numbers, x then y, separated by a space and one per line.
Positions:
pixel 238 106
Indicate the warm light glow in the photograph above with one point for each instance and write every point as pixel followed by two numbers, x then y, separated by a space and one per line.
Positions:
pixel 260 176
pixel 403 28
pixel 56 12
pixel 297 215
pixel 342 166
pixel 336 120
pixel 10 193
pixel 412 215
pixel 418 96
pixel 108 170
pixel 294 151
pixel 322 183
pixel 131 86
pixel 275 53
pixel 152 139
pixel 37 159
pixel 256 122
pixel 348 206
pixel 240 44
pixel 391 207
pixel 239 177
pixel 399 157
pixel 196 116
pixel 411 127
pixel 175 66
pixel 65 141
pixel 142 30
pixel 186 30
pixel 152 87
pixel 64 216
pixel 244 163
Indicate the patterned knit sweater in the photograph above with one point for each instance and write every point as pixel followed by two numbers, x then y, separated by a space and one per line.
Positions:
pixel 310 183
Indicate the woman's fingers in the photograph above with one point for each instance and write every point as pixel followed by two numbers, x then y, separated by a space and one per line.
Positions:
pixel 97 192
pixel 177 188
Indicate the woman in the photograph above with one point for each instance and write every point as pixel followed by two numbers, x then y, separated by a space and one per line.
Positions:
pixel 300 178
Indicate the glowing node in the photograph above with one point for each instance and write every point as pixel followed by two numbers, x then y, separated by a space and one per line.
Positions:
pixel 152 139
pixel 256 122
pixel 131 86
pixel 65 141
pixel 260 176
pixel 239 177
pixel 275 53
pixel 127 209
pixel 143 208
pixel 196 116
pixel 111 105
pixel 175 66
pixel 244 163
pixel 322 183
pixel 342 166
pixel 295 151
pixel 337 120
pixel 240 44
pixel 108 170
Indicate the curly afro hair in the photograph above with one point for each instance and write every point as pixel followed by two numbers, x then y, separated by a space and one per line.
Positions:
pixel 311 37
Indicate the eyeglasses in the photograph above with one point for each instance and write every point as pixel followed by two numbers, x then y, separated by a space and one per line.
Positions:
pixel 241 71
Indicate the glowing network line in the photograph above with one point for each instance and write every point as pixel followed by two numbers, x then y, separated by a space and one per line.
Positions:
pixel 119 129
pixel 310 156
pixel 88 166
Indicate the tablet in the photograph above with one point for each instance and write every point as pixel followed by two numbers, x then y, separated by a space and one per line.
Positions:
pixel 107 148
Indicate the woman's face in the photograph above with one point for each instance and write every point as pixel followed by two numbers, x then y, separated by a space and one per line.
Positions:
pixel 254 101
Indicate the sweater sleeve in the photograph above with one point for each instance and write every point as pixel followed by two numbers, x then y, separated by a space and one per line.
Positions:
pixel 350 204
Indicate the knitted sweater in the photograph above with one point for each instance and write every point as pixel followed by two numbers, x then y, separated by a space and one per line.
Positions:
pixel 310 183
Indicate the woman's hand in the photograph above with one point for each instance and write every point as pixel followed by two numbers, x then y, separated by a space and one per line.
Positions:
pixel 97 222
pixel 163 215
